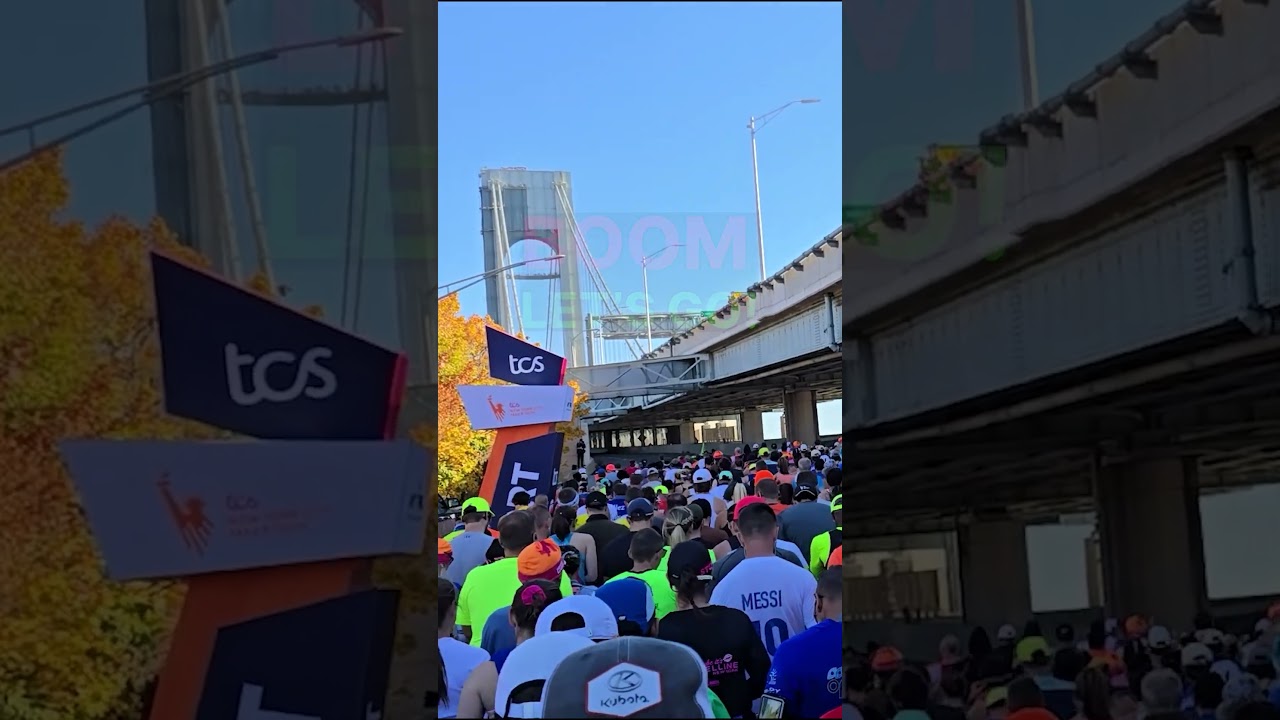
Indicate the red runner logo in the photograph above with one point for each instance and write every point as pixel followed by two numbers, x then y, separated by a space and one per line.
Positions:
pixel 189 516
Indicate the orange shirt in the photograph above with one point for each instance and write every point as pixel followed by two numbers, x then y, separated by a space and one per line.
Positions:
pixel 837 558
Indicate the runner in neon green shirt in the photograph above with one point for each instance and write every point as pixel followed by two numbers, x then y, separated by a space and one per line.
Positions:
pixel 490 587
pixel 647 552
pixel 821 547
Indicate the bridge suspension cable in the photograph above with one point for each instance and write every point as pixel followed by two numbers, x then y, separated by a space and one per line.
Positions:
pixel 602 288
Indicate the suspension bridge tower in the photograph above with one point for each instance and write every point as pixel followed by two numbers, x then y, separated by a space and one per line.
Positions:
pixel 517 205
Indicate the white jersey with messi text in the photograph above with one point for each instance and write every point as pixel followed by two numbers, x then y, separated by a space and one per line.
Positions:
pixel 777 595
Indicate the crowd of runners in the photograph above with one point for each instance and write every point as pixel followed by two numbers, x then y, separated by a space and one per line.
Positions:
pixel 1129 670
pixel 705 585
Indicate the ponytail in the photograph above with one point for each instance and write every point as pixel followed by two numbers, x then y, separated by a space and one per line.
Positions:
pixel 688 586
pixel 562 521
pixel 530 600
pixel 677 525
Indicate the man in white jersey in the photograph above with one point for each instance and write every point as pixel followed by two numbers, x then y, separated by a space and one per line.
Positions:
pixel 777 595
pixel 702 490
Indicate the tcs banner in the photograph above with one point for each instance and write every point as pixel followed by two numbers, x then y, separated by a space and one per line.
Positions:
pixel 521 363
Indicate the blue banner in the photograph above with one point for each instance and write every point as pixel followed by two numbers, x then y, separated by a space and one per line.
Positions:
pixel 327 660
pixel 245 363
pixel 529 465
pixel 521 363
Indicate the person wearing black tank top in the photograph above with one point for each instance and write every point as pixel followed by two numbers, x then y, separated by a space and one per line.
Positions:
pixel 735 657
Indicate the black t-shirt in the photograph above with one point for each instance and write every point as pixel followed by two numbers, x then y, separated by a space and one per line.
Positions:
pixel 614 558
pixel 945 712
pixel 724 638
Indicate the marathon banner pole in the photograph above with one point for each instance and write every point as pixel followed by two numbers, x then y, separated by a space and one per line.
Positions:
pixel 525 455
pixel 292 638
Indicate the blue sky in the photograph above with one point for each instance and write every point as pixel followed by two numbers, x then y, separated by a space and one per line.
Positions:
pixel 646 105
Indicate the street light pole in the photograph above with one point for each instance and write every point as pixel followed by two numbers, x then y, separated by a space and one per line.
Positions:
pixel 648 319
pixel 172 85
pixel 753 125
pixel 755 174
pixel 473 279
pixel 644 273
pixel 1027 54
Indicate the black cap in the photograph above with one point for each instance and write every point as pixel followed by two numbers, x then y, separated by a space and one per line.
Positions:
pixel 597 501
pixel 639 508
pixel 806 485
pixel 689 556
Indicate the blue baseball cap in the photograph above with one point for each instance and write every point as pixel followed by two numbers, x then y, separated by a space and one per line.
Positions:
pixel 630 599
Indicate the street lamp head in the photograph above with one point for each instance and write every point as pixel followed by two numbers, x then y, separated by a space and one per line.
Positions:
pixel 806 101
pixel 367 36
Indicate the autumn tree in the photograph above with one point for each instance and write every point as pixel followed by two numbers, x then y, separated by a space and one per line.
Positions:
pixel 80 359
pixel 463 361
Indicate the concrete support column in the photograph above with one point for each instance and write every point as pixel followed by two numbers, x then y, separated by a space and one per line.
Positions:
pixel 1152 545
pixel 801 409
pixel 751 425
pixel 686 434
pixel 994 576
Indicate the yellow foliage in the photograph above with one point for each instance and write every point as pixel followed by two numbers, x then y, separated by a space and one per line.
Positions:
pixel 78 358
pixel 463 361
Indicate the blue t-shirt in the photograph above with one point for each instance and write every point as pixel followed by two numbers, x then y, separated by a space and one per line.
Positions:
pixel 807 672
pixel 1274 695
pixel 617 507
pixel 500 658
pixel 497 633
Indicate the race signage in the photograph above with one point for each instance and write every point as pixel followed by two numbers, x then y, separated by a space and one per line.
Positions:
pixel 324 661
pixel 490 407
pixel 243 362
pixel 522 363
pixel 175 509
pixel 529 465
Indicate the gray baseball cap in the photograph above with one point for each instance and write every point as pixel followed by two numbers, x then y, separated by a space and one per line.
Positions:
pixel 639 508
pixel 634 677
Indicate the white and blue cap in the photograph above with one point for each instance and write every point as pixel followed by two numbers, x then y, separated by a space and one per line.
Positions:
pixel 633 677
pixel 520 683
pixel 597 617
pixel 630 599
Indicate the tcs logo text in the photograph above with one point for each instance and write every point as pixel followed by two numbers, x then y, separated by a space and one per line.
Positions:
pixel 258 389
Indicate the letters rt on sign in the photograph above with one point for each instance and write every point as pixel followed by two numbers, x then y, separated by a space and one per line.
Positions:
pixel 177 509
pixel 242 362
pixel 521 363
pixel 529 465
pixel 490 407
pixel 327 661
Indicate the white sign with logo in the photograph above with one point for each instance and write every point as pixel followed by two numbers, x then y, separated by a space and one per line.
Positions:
pixel 623 690
pixel 181 508
pixel 490 407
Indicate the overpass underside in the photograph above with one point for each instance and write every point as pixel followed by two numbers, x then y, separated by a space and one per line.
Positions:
pixel 821 373
pixel 1139 457
pixel 1226 417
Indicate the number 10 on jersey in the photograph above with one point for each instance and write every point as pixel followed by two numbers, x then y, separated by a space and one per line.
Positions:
pixel 773 634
